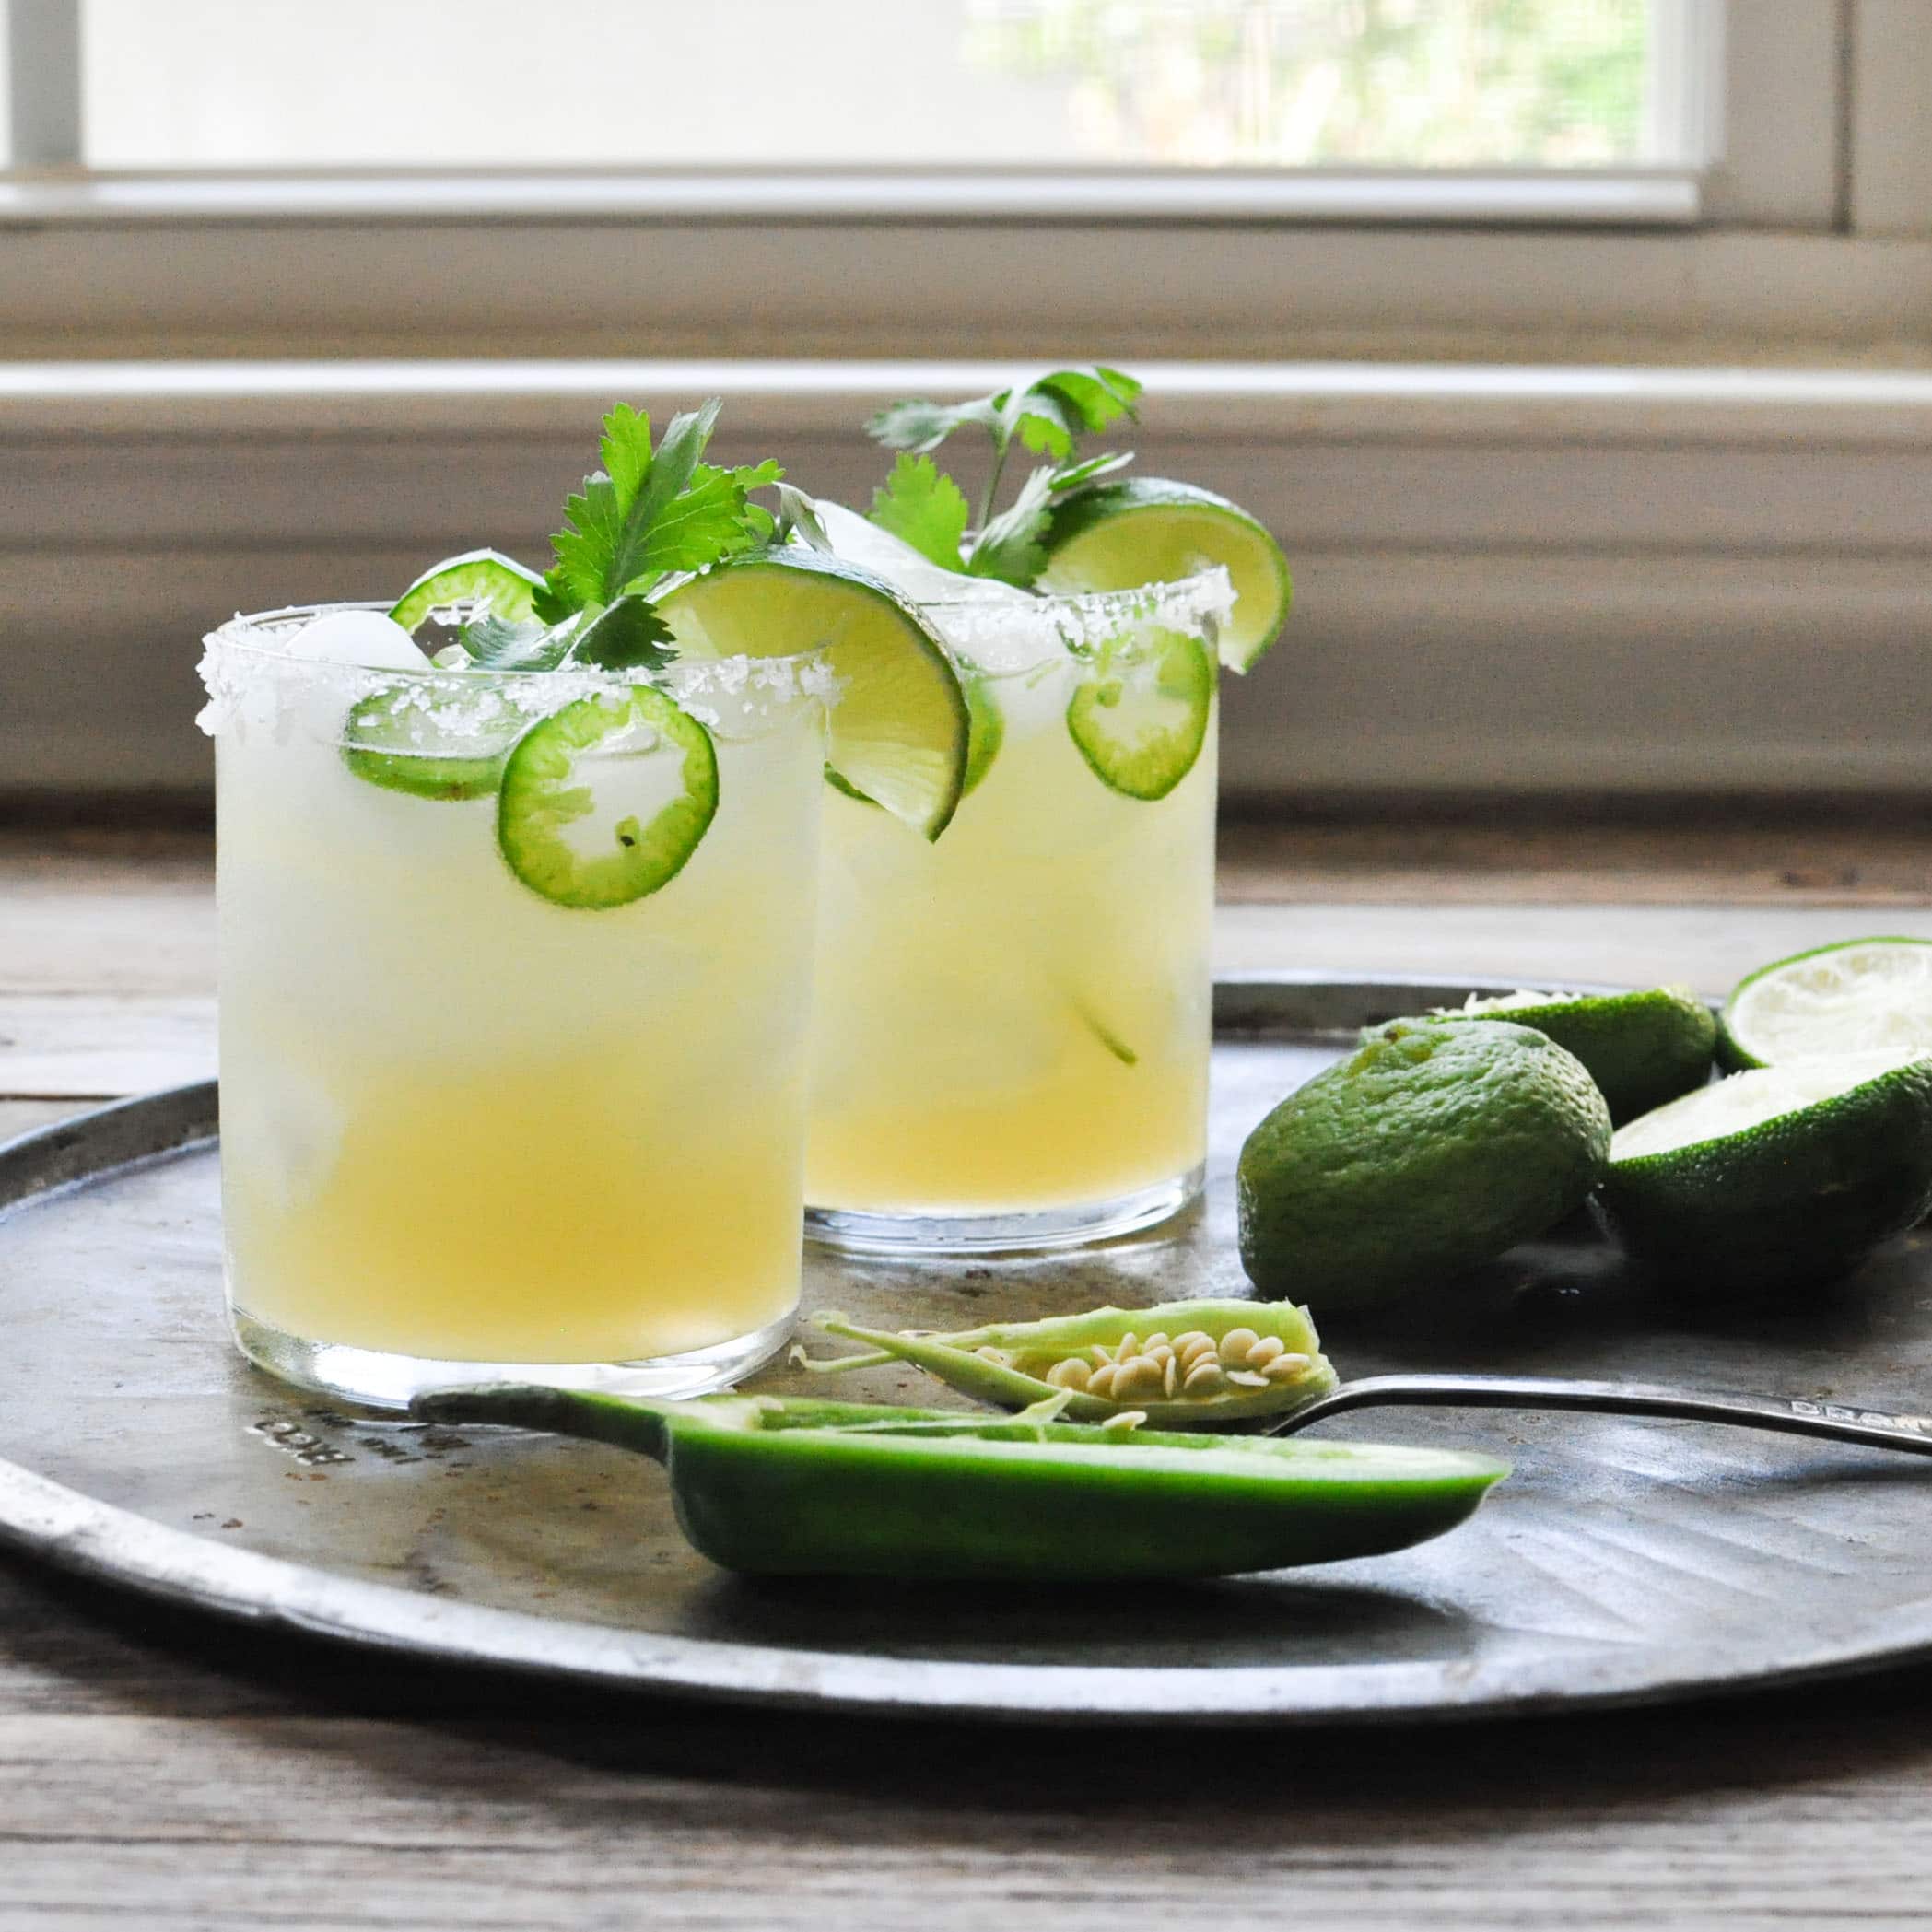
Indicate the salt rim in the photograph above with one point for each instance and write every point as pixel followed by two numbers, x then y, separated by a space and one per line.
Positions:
pixel 240 660
pixel 993 632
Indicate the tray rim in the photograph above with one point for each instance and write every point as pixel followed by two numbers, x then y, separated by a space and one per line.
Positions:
pixel 108 1545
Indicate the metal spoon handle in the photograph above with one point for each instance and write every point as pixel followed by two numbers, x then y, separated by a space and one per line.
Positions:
pixel 1789 1415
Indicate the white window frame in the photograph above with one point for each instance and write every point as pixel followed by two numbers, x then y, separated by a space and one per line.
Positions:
pixel 52 182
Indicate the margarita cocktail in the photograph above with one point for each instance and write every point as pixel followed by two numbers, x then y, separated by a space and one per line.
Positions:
pixel 469 1128
pixel 1013 1021
pixel 517 885
pixel 1013 1032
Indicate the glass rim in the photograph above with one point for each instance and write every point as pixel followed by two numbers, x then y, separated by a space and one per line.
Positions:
pixel 735 698
pixel 1005 638
pixel 1207 591
pixel 228 636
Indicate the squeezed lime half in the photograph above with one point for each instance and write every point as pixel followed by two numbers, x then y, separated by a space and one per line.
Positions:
pixel 1858 996
pixel 1781 1178
pixel 1642 1048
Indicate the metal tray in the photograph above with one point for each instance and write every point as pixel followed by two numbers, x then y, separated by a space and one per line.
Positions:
pixel 1625 1560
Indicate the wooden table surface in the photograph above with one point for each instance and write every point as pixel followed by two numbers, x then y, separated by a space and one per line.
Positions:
pixel 162 1771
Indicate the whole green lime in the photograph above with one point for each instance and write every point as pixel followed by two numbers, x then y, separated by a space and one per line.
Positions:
pixel 1432 1148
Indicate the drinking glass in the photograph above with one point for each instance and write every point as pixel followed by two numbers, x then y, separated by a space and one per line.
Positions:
pixel 470 1133
pixel 1012 1039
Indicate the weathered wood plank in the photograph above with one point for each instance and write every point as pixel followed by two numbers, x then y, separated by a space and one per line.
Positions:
pixel 685 1819
pixel 1708 947
pixel 19 1117
pixel 1510 855
pixel 130 913
pixel 97 1045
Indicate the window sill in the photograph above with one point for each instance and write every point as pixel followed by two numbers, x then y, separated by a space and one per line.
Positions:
pixel 1422 403
pixel 1589 580
pixel 1539 197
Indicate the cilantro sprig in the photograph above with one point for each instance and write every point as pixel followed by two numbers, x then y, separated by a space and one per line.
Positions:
pixel 647 514
pixel 922 505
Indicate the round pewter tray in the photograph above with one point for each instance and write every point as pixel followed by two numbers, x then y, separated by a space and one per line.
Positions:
pixel 1625 1560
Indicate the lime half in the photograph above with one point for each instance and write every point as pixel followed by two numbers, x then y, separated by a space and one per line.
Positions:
pixel 603 801
pixel 1862 995
pixel 1119 536
pixel 1139 715
pixel 429 741
pixel 1778 1179
pixel 899 731
pixel 477 578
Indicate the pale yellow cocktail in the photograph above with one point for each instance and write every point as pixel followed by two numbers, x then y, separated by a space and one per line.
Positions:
pixel 1012 1032
pixel 466 1128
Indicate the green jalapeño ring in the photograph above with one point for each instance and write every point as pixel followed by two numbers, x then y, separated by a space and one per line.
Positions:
pixel 515 977
pixel 1011 1046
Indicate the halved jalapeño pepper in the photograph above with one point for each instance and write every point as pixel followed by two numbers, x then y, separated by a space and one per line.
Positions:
pixel 1182 1364
pixel 802 1488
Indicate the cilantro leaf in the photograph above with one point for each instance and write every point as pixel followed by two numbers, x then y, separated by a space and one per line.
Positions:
pixel 501 644
pixel 1046 413
pixel 665 476
pixel 920 427
pixel 584 550
pixel 1094 397
pixel 1091 471
pixel 920 505
pixel 625 636
pixel 1052 411
pixel 625 449
pixel 798 516
pixel 706 520
pixel 553 599
pixel 1008 548
pixel 650 511
pixel 1041 422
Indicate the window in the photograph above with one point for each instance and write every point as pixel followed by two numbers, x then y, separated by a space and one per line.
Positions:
pixel 1589 109
pixel 1035 83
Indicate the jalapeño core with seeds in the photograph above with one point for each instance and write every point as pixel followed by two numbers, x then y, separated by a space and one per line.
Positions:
pixel 1181 1364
